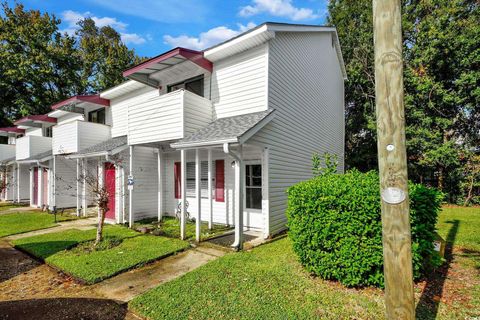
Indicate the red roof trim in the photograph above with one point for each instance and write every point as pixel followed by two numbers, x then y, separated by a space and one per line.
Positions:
pixel 94 98
pixel 37 117
pixel 12 129
pixel 192 55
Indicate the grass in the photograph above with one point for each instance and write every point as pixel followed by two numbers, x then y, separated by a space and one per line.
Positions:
pixel 170 227
pixel 265 283
pixel 10 205
pixel 71 251
pixel 21 222
pixel 268 283
pixel 466 226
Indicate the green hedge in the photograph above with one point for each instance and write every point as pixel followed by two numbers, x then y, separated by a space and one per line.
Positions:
pixel 335 225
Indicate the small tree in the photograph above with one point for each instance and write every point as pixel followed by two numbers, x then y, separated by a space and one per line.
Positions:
pixel 97 188
pixel 326 164
pixel 471 177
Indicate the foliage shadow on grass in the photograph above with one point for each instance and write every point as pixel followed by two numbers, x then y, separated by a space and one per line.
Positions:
pixel 427 307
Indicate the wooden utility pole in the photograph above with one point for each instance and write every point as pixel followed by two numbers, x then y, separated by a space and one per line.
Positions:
pixel 392 160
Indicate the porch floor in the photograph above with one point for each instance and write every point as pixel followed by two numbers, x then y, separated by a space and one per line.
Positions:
pixel 251 239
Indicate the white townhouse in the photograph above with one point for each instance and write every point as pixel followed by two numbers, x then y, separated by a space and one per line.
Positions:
pixel 221 132
pixel 33 157
pixel 8 167
pixel 233 126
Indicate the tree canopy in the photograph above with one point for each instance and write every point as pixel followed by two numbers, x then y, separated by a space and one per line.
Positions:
pixel 40 65
pixel 442 86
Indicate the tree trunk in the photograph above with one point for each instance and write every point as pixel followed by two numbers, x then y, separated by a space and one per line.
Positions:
pixel 101 220
pixel 469 194
pixel 440 178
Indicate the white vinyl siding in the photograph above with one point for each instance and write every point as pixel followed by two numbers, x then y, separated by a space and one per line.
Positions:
pixel 65 175
pixel 306 90
pixel 117 112
pixel 239 83
pixel 145 191
pixel 167 117
pixel 70 117
pixel 34 132
pixel 7 151
pixel 23 183
pixel 30 146
pixel 74 136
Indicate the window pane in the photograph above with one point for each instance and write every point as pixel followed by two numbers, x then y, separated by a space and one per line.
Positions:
pixel 254 198
pixel 195 87
pixel 203 179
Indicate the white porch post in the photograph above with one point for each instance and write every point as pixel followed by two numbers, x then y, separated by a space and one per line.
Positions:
pixel 78 187
pixel 100 177
pixel 84 187
pixel 183 191
pixel 122 183
pixel 198 195
pixel 53 184
pixel 239 177
pixel 160 183
pixel 18 183
pixel 31 174
pixel 265 194
pixel 40 188
pixel 210 202
pixel 130 190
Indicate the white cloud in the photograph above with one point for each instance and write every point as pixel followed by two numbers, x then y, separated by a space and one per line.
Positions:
pixel 71 18
pixel 278 8
pixel 132 38
pixel 208 38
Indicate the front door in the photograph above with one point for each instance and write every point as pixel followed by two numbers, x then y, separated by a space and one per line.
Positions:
pixel 35 186
pixel 109 179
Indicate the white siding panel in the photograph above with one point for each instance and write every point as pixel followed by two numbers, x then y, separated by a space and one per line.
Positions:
pixel 65 138
pixel 7 151
pixel 90 134
pixel 306 89
pixel 34 132
pixel 239 83
pixel 117 113
pixel 29 146
pixel 197 112
pixel 145 196
pixel 70 117
pixel 65 182
pixel 157 119
pixel 24 182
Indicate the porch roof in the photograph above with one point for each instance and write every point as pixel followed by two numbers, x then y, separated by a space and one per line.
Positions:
pixel 6 130
pixel 6 161
pixel 144 71
pixel 236 129
pixel 35 120
pixel 43 156
pixel 107 147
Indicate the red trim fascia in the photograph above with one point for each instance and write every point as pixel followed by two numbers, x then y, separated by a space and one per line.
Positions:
pixel 12 129
pixel 37 117
pixel 192 55
pixel 94 98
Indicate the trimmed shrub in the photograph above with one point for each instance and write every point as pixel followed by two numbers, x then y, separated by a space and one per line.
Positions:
pixel 335 225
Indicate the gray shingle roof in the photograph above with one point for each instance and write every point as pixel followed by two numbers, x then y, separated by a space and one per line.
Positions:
pixel 107 145
pixel 5 161
pixel 224 129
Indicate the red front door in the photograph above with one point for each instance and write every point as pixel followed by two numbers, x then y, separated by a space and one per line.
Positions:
pixel 45 187
pixel 109 178
pixel 35 186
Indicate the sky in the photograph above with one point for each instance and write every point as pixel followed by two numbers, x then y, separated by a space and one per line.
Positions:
pixel 152 27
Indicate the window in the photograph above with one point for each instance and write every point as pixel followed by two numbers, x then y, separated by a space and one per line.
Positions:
pixel 217 180
pixel 194 85
pixel 253 186
pixel 47 132
pixel 97 116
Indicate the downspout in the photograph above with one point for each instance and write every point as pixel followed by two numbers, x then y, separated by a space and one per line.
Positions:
pixel 238 243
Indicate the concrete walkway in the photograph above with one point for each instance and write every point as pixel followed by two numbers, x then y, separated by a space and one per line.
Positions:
pixel 81 224
pixel 128 285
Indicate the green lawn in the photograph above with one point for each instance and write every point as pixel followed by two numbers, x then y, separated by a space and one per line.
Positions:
pixel 20 222
pixel 268 283
pixel 265 283
pixel 71 251
pixel 461 226
pixel 170 227
pixel 9 205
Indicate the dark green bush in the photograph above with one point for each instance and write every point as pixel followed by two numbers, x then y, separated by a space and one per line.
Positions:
pixel 335 225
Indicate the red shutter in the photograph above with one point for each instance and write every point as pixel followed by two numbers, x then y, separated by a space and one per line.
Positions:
pixel 178 180
pixel 219 180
